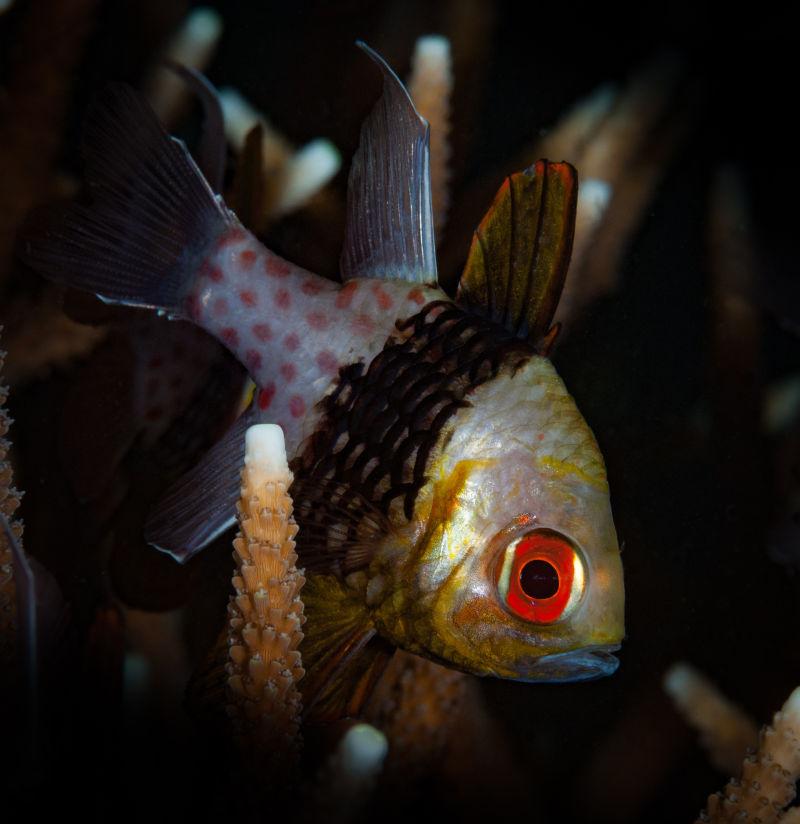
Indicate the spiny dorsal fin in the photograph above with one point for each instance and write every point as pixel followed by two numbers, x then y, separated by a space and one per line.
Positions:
pixel 520 251
pixel 389 232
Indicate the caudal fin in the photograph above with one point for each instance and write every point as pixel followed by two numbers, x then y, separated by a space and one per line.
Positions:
pixel 150 211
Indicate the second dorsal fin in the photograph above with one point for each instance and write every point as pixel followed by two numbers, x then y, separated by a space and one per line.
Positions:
pixel 520 251
pixel 389 232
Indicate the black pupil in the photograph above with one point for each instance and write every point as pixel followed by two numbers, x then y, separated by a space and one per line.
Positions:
pixel 539 579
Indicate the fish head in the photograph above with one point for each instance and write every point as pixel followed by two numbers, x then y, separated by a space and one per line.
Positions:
pixel 516 570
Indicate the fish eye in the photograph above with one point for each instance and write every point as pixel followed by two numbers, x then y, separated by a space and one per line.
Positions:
pixel 541 577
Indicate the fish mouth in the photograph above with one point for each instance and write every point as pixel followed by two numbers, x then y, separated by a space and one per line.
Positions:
pixel 584 664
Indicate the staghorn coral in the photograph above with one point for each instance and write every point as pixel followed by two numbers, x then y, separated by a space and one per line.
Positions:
pixel 291 177
pixel 620 142
pixel 41 338
pixel 417 704
pixel 266 613
pixel 193 45
pixel 726 732
pixel 34 105
pixel 769 776
pixel 9 501
pixel 347 780
pixel 431 87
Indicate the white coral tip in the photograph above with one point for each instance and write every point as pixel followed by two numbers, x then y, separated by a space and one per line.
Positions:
pixel 791 708
pixel 362 751
pixel 309 170
pixel 265 450
pixel 203 25
pixel 433 48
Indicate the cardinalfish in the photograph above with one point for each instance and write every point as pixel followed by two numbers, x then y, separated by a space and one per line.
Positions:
pixel 452 501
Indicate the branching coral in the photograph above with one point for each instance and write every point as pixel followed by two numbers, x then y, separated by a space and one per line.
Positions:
pixel 431 87
pixel 620 142
pixel 769 776
pixel 725 730
pixel 347 780
pixel 43 338
pixel 9 501
pixel 192 45
pixel 266 613
pixel 33 106
pixel 417 705
pixel 291 176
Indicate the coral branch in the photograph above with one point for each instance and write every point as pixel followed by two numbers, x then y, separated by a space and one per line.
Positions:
pixel 40 338
pixel 9 501
pixel 431 87
pixel 620 142
pixel 266 613
pixel 417 705
pixel 291 176
pixel 48 47
pixel 347 780
pixel 769 776
pixel 726 732
pixel 193 45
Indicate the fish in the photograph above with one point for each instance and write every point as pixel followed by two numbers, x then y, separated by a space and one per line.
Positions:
pixel 451 499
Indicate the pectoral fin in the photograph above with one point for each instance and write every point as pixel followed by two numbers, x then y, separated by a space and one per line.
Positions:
pixel 520 251
pixel 389 232
pixel 342 653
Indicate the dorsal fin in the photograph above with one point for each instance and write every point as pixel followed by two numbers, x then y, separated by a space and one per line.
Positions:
pixel 520 251
pixel 389 232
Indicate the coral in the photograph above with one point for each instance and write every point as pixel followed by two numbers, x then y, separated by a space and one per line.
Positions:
pixel 9 501
pixel 266 613
pixel 726 732
pixel 44 338
pixel 193 46
pixel 620 146
pixel 291 176
pixel 33 106
pixel 346 782
pixel 768 779
pixel 431 87
pixel 416 705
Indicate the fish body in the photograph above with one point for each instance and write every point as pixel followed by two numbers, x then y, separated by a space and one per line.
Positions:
pixel 292 329
pixel 496 470
pixel 451 498
pixel 435 476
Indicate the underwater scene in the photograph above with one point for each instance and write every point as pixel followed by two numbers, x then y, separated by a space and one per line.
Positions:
pixel 399 413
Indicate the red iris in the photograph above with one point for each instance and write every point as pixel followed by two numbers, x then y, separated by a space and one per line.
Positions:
pixel 541 576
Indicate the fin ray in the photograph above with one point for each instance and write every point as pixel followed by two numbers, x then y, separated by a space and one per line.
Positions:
pixel 342 653
pixel 212 146
pixel 339 527
pixel 520 252
pixel 150 208
pixel 390 232
pixel 202 504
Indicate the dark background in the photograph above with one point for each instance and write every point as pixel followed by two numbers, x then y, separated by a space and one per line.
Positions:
pixel 701 492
